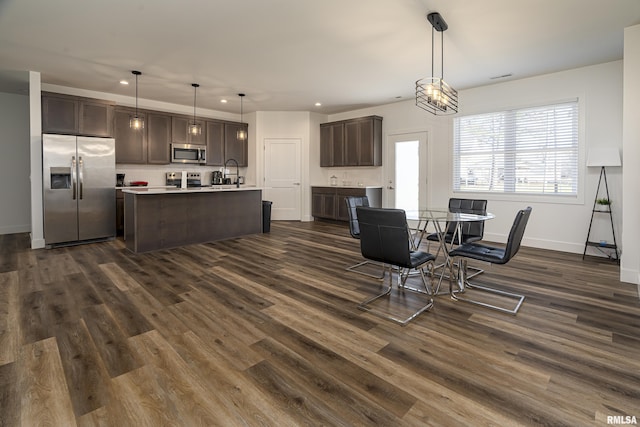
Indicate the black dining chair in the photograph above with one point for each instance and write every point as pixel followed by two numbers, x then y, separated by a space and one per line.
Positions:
pixel 385 238
pixel 491 254
pixel 352 203
pixel 472 231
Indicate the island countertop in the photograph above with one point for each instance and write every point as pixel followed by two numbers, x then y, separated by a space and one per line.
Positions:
pixel 176 190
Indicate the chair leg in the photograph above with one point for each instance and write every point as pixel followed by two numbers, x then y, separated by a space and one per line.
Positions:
pixel 462 283
pixel 402 277
pixel 355 267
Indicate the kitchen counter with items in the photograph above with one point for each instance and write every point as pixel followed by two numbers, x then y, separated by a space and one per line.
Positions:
pixel 161 218
pixel 176 190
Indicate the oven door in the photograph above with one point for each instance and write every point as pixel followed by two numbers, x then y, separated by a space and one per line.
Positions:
pixel 185 153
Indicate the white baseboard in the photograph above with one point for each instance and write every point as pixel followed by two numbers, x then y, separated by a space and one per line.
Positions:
pixel 37 243
pixel 553 245
pixel 12 229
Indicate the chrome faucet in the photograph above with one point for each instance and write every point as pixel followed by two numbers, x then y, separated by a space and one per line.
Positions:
pixel 237 171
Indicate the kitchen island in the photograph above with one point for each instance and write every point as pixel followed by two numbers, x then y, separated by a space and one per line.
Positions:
pixel 161 218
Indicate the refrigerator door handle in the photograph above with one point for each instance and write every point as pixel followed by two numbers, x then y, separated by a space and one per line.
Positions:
pixel 81 175
pixel 73 177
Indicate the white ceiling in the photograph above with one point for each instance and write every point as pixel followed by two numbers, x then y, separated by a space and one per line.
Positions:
pixel 289 54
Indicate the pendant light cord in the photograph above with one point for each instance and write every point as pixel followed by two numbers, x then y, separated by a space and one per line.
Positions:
pixel 136 95
pixel 195 90
pixel 432 51
pixel 442 55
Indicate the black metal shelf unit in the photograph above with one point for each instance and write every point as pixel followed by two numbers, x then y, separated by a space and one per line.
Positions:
pixel 606 209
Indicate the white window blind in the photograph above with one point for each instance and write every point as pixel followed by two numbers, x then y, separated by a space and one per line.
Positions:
pixel 529 150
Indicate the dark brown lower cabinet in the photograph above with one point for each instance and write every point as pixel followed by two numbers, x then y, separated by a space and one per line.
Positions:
pixel 328 202
pixel 167 220
pixel 119 213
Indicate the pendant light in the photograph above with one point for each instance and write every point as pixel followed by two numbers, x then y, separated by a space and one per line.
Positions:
pixel 241 135
pixel 136 122
pixel 194 127
pixel 433 94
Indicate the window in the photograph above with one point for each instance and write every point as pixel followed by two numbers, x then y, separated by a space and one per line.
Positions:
pixel 522 151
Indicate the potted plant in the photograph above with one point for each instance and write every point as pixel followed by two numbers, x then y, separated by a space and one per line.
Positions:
pixel 603 201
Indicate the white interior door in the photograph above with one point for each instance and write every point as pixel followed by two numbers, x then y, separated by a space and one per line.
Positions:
pixel 282 175
pixel 406 171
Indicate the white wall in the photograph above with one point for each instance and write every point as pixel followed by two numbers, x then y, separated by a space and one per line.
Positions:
pixel 14 164
pixel 560 226
pixel 630 264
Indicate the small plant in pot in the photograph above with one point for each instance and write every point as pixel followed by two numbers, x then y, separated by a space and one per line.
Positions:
pixel 603 202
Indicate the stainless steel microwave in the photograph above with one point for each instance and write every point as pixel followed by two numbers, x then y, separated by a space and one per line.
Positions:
pixel 188 153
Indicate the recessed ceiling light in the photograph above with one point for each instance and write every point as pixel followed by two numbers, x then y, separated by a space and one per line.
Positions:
pixel 124 82
pixel 318 104
pixel 224 101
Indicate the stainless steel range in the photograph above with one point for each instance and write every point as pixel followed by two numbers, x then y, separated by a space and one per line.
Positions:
pixel 194 179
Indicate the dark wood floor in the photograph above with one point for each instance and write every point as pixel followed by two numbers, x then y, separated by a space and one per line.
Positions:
pixel 264 330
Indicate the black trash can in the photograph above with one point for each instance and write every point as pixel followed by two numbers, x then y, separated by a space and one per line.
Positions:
pixel 266 216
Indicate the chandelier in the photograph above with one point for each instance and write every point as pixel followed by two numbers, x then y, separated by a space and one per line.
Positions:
pixel 433 94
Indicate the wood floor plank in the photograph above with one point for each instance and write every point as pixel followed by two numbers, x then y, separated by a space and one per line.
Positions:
pixel 351 407
pixel 119 277
pixel 9 395
pixel 45 396
pixel 9 317
pixel 178 382
pixel 233 389
pixel 110 341
pixel 83 368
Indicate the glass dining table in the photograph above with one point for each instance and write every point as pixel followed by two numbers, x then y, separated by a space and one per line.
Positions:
pixel 440 217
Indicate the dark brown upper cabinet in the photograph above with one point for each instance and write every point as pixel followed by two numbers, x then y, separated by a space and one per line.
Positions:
pixel 215 143
pixel 332 144
pixel 72 115
pixel 158 128
pixel 234 148
pixel 131 144
pixel 355 142
pixel 180 131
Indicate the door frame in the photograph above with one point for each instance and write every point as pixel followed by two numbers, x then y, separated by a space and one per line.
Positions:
pixel 265 168
pixel 389 171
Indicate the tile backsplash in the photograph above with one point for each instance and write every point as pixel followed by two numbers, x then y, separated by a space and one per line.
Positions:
pixel 156 174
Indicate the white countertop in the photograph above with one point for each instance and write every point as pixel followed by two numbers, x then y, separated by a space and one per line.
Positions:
pixel 175 190
pixel 348 186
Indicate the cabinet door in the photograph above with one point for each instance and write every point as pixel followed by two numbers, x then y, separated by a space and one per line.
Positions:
pixel 95 119
pixel 325 146
pixel 131 144
pixel 337 144
pixel 158 138
pixel 233 148
pixel 363 142
pixel 59 115
pixel 352 143
pixel 215 143
pixel 180 131
pixel 370 141
pixel 342 213
pixel 323 203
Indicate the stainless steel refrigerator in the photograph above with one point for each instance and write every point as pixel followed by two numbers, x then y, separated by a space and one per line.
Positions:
pixel 79 188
